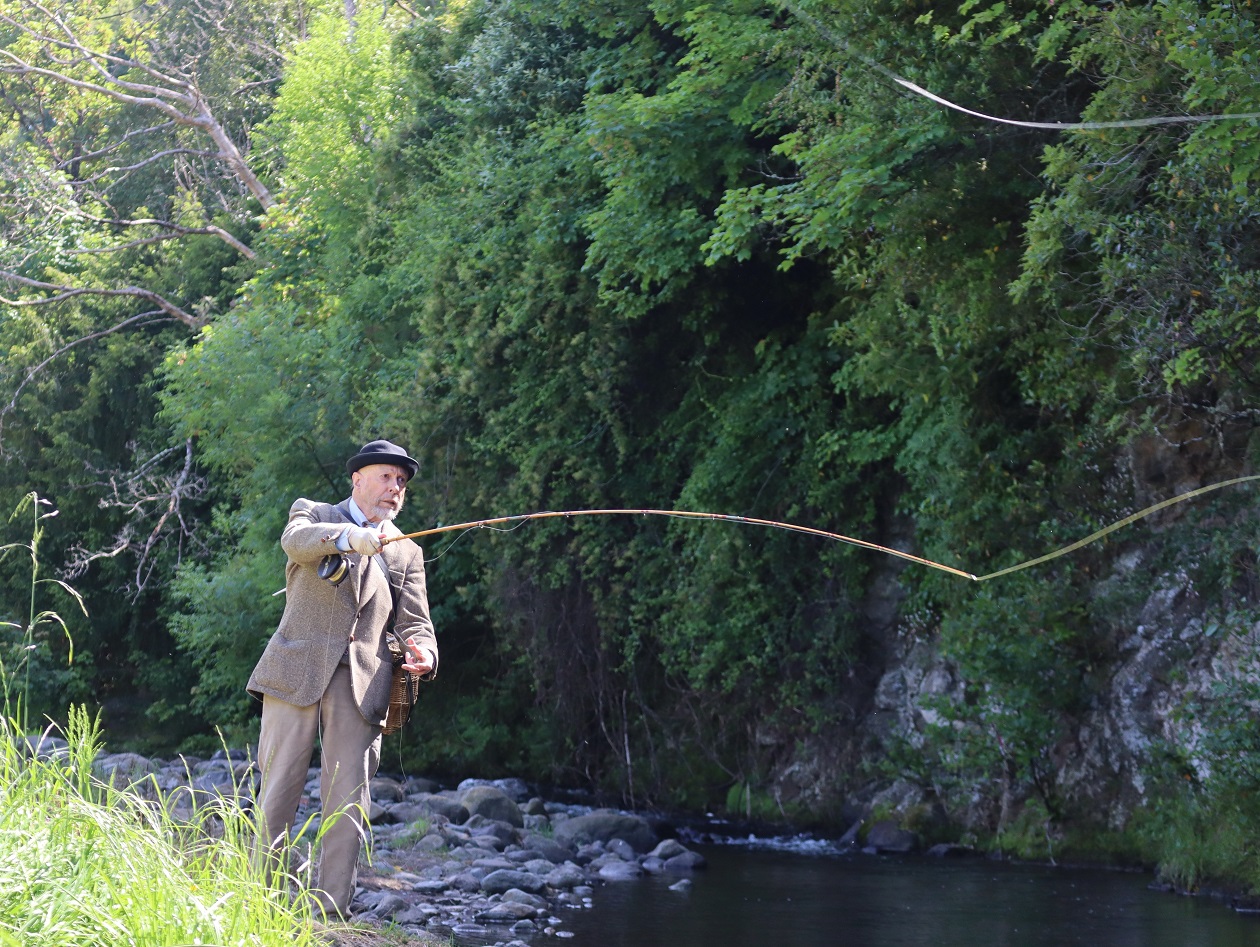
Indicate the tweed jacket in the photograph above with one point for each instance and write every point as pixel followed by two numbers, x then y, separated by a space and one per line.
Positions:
pixel 320 620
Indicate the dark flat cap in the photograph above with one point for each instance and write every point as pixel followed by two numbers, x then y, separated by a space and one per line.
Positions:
pixel 383 452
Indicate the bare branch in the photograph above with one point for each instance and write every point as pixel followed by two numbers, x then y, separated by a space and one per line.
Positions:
pixel 175 231
pixel 69 292
pixel 114 146
pixel 142 163
pixel 248 86
pixel 145 495
pixel 176 97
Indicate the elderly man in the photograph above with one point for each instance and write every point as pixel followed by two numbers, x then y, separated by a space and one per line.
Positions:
pixel 326 671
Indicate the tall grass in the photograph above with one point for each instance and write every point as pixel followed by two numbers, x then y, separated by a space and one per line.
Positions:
pixel 86 863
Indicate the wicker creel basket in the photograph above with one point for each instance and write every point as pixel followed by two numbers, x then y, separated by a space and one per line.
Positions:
pixel 404 688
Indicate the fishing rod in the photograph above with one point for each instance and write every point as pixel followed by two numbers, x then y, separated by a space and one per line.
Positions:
pixel 684 514
pixel 825 534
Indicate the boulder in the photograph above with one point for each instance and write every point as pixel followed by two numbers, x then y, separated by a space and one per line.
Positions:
pixel 514 788
pixel 668 849
pixel 604 825
pixel 888 836
pixel 619 870
pixel 685 861
pixel 566 876
pixel 450 809
pixel 493 803
pixel 504 879
pixel 546 848
pixel 506 912
pixel 385 790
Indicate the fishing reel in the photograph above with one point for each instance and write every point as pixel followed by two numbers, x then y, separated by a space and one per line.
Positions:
pixel 334 568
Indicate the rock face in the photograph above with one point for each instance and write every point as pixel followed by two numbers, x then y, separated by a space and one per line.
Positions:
pixel 1153 655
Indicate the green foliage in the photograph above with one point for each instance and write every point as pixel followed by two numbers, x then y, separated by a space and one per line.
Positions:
pixel 697 256
pixel 339 100
pixel 1149 227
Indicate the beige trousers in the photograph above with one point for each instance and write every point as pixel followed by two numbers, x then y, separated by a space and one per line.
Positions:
pixel 350 753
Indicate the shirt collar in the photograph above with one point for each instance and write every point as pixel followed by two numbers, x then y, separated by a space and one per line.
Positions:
pixel 357 514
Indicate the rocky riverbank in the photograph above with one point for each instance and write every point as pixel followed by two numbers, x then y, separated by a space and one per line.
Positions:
pixel 486 862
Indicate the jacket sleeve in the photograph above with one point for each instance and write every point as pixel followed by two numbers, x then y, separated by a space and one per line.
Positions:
pixel 311 532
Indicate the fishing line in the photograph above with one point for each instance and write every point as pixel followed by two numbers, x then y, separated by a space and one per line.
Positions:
pixel 887 73
pixel 497 529
pixel 494 523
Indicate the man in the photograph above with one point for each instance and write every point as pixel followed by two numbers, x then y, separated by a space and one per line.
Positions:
pixel 327 670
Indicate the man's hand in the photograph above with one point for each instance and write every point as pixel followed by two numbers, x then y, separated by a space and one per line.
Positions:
pixel 419 660
pixel 365 540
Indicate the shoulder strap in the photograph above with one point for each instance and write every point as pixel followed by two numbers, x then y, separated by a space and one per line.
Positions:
pixel 393 594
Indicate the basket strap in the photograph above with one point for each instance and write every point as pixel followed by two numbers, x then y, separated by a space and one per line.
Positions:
pixel 393 594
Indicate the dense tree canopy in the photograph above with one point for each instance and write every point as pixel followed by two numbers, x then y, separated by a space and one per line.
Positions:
pixel 650 255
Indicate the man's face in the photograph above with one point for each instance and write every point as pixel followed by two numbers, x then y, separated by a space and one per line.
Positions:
pixel 379 490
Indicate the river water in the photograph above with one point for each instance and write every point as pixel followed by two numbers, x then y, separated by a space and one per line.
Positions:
pixel 766 898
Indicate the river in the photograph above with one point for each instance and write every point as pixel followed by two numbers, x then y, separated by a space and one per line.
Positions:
pixel 764 898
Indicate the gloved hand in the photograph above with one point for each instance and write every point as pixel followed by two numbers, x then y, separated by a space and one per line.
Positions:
pixel 365 540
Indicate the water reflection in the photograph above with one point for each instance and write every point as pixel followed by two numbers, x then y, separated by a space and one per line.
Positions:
pixel 759 898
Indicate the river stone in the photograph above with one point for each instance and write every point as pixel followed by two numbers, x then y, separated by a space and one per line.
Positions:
pixel 409 812
pixel 621 848
pixel 390 905
pixel 493 803
pixel 122 768
pixel 42 746
pixel 949 850
pixel 668 849
pixel 384 790
pixel 888 836
pixel 508 911
pixel 514 788
pixel 685 861
pixel 524 897
pixel 566 876
pixel 620 871
pixel 418 784
pixel 587 853
pixel 430 886
pixel 464 881
pixel 505 879
pixel 547 848
pixel 608 858
pixel 418 914
pixel 472 934
pixel 603 825
pixel 453 837
pixel 451 809
pixel 478 825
